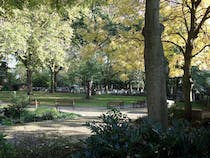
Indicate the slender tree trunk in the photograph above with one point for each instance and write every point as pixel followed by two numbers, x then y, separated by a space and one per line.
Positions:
pixel 29 81
pixel 52 78
pixel 55 80
pixel 106 87
pixel 176 83
pixel 89 89
pixel 131 88
pixel 154 64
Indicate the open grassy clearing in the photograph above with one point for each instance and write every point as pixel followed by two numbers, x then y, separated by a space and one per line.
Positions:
pixel 46 98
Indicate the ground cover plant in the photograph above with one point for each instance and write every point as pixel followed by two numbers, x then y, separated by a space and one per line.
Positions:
pixel 17 112
pixel 46 113
pixel 33 146
pixel 6 149
pixel 117 137
pixel 45 147
pixel 40 114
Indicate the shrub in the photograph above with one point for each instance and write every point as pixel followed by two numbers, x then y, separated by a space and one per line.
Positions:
pixel 45 147
pixel 43 113
pixel 18 106
pixel 111 136
pixel 6 150
pixel 116 137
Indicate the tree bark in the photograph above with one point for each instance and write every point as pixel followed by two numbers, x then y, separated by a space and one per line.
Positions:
pixel 186 80
pixel 89 89
pixel 52 78
pixel 55 80
pixel 106 86
pixel 29 81
pixel 154 65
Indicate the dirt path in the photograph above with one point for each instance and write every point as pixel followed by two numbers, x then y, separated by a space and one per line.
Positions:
pixel 75 128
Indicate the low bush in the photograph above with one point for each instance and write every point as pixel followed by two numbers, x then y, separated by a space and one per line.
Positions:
pixel 44 113
pixel 117 137
pixel 6 150
pixel 18 106
pixel 45 147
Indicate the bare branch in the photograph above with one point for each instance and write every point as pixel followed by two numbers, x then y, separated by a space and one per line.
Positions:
pixel 180 47
pixel 187 5
pixel 185 19
pixel 197 3
pixel 180 35
pixel 135 39
pixel 205 17
pixel 204 47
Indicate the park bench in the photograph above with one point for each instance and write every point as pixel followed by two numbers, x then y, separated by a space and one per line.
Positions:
pixel 115 104
pixel 64 102
pixel 139 104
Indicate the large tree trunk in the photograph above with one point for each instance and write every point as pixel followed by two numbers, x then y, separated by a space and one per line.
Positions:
pixel 29 81
pixel 154 64
pixel 186 80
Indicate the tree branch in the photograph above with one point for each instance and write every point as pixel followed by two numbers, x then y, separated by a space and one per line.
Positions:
pixel 179 34
pixel 204 47
pixel 185 19
pixel 180 47
pixel 205 17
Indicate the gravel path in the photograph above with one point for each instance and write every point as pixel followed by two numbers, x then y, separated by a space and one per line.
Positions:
pixel 75 128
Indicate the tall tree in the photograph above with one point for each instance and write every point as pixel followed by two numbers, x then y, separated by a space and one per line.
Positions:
pixel 55 43
pixel 154 64
pixel 191 36
pixel 19 34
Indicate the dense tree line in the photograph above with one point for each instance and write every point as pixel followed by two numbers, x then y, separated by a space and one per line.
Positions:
pixel 98 43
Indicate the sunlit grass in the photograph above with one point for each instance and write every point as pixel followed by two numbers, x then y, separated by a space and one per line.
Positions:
pixel 48 99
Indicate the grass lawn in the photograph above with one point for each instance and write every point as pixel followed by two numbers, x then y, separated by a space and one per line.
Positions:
pixel 195 105
pixel 46 98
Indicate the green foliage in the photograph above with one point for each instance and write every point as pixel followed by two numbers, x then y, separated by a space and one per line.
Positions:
pixel 117 137
pixel 90 69
pixel 20 99
pixel 13 115
pixel 111 136
pixel 45 147
pixel 7 121
pixel 41 114
pixel 41 80
pixel 201 80
pixel 6 150
pixel 15 110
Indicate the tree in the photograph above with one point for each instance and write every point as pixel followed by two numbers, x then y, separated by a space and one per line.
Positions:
pixel 190 36
pixel 3 72
pixel 56 43
pixel 154 64
pixel 113 30
pixel 89 72
pixel 91 38
pixel 19 35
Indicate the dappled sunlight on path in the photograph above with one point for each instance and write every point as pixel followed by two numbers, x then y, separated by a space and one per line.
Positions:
pixel 75 128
